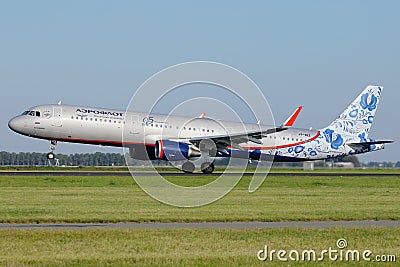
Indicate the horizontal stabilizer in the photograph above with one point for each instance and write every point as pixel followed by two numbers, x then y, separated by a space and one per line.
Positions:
pixel 370 143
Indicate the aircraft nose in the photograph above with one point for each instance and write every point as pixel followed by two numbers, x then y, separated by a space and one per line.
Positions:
pixel 15 124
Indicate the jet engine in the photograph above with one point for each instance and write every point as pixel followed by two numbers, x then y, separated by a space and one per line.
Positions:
pixel 174 151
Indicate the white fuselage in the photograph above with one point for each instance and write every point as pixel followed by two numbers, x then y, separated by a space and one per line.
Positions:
pixel 120 128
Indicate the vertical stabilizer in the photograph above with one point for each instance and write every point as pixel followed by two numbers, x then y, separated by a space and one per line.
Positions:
pixel 356 120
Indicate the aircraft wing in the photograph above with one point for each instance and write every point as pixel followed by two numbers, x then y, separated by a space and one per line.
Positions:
pixel 254 136
pixel 235 139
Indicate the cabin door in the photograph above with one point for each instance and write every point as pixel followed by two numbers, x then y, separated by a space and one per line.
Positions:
pixel 57 116
pixel 134 127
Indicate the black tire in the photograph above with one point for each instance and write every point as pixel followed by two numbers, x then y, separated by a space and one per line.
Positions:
pixel 188 167
pixel 50 155
pixel 207 167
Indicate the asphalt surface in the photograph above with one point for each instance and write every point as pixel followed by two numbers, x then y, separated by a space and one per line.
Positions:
pixel 166 174
pixel 200 225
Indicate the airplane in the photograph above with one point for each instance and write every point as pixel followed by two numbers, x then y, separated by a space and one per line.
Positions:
pixel 179 138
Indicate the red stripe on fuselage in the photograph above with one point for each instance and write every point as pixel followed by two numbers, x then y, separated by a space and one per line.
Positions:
pixel 281 146
pixel 98 142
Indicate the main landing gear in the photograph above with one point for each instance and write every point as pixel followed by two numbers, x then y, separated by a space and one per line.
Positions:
pixel 206 167
pixel 188 167
pixel 208 149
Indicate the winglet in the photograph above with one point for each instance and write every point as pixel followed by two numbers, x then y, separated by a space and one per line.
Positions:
pixel 202 115
pixel 289 122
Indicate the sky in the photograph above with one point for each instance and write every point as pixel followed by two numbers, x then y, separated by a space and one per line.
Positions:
pixel 319 54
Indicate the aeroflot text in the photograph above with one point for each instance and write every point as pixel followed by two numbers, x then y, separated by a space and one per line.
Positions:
pixel 99 112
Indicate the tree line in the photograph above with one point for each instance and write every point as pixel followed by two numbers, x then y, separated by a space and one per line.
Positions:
pixel 117 159
pixel 82 159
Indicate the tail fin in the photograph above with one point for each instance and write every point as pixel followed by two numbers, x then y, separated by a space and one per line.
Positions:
pixel 355 121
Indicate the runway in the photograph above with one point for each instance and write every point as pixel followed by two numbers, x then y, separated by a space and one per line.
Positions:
pixel 166 174
pixel 200 225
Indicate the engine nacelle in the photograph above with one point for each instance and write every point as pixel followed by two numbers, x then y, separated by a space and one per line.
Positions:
pixel 173 151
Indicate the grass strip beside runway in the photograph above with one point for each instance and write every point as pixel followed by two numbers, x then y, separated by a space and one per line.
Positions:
pixel 185 247
pixel 119 199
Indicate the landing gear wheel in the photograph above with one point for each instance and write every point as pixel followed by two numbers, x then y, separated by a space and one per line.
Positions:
pixel 50 155
pixel 207 167
pixel 188 167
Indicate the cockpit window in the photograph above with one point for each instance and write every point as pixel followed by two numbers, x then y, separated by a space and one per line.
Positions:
pixel 32 113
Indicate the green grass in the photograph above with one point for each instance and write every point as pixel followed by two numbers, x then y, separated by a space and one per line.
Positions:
pixel 185 247
pixel 119 199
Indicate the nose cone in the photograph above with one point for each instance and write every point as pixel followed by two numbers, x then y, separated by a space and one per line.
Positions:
pixel 15 124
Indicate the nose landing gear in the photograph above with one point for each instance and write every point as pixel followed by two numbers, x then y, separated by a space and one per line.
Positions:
pixel 51 155
pixel 53 144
